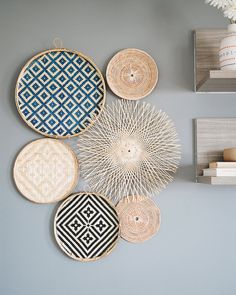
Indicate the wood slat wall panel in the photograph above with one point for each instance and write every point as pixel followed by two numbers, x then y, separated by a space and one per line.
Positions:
pixel 212 136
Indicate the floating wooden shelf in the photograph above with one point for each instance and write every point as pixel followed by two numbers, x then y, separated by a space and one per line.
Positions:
pixel 208 76
pixel 218 81
pixel 212 136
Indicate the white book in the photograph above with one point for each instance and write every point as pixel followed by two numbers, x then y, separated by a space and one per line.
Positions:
pixel 219 172
pixel 222 165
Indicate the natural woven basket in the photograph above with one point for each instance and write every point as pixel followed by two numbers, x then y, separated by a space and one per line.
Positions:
pixel 46 171
pixel 139 218
pixel 132 74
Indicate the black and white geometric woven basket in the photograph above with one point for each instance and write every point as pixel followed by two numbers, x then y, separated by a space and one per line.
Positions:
pixel 86 226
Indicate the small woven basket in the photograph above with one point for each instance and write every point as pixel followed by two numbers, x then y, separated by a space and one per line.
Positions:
pixel 132 74
pixel 139 218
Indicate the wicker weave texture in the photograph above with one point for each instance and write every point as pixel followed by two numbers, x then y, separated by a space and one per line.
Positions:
pixel 132 74
pixel 139 218
pixel 46 171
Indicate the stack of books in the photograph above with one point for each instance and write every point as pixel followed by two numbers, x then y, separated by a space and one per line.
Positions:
pixel 220 169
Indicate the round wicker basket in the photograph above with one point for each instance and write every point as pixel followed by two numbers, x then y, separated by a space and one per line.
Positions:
pixel 46 171
pixel 132 74
pixel 139 218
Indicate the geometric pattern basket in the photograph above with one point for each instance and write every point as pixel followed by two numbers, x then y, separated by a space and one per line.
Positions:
pixel 60 92
pixel 86 226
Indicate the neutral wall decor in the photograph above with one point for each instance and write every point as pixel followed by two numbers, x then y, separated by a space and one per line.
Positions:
pixel 193 252
pixel 132 150
pixel 132 74
pixel 227 52
pixel 86 226
pixel 46 171
pixel 139 218
pixel 60 92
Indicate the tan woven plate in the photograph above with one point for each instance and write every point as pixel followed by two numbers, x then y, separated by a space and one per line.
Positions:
pixel 139 218
pixel 132 74
pixel 86 226
pixel 46 171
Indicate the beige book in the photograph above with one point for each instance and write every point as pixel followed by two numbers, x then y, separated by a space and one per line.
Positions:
pixel 219 172
pixel 222 165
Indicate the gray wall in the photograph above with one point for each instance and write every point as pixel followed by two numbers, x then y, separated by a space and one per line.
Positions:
pixel 194 251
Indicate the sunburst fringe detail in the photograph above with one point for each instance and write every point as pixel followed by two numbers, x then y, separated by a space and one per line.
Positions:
pixel 131 150
pixel 230 12
pixel 220 3
pixel 228 7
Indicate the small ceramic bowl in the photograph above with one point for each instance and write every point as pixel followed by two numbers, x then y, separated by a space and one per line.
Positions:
pixel 230 155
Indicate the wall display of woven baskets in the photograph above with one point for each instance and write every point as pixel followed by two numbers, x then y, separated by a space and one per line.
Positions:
pixel 129 152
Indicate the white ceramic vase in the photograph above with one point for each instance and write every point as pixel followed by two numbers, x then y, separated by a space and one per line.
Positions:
pixel 227 52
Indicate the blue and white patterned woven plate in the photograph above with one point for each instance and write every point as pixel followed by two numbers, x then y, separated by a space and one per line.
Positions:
pixel 60 92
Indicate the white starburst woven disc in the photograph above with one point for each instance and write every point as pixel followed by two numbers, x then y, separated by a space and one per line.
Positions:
pixel 139 218
pixel 132 150
pixel 46 171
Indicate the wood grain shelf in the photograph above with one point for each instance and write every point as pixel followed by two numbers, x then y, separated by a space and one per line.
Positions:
pixel 212 136
pixel 207 75
pixel 219 180
pixel 218 81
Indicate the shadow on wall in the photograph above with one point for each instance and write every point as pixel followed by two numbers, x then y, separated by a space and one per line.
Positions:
pixel 185 174
pixel 52 235
pixel 11 176
pixel 11 94
pixel 104 68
